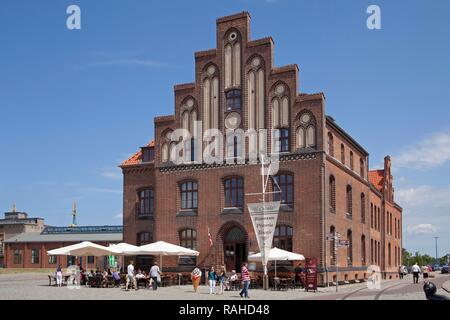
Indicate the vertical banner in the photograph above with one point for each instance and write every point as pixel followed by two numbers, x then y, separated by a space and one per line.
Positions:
pixel 311 274
pixel 264 218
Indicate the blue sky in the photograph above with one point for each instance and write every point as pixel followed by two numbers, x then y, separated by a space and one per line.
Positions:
pixel 74 104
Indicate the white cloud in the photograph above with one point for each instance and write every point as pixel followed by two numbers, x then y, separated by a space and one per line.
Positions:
pixel 118 216
pixel 427 153
pixel 423 228
pixel 115 175
pixel 424 196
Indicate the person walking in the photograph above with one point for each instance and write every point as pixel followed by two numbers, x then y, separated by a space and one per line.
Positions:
pixel 212 277
pixel 245 280
pixel 196 276
pixel 130 276
pixel 415 270
pixel 400 272
pixel 59 276
pixel 155 274
pixel 221 278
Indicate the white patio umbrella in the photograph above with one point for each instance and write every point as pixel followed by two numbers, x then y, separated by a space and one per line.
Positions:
pixel 278 255
pixel 125 249
pixel 161 248
pixel 85 248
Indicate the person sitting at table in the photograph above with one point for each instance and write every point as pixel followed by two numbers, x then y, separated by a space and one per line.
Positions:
pixel 233 279
pixel 105 279
pixel 140 275
pixel 116 278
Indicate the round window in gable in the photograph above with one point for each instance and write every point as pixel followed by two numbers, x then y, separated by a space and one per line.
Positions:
pixel 232 36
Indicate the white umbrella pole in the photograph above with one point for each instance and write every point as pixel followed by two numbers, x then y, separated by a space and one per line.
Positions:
pixel 160 261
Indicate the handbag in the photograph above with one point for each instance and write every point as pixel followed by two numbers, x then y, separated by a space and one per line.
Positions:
pixel 158 278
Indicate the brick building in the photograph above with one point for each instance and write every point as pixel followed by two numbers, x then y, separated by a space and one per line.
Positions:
pixel 15 223
pixel 323 172
pixel 29 250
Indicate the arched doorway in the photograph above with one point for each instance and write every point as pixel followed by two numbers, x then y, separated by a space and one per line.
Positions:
pixel 235 248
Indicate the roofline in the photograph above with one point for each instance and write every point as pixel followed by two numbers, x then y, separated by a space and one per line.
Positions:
pixel 346 135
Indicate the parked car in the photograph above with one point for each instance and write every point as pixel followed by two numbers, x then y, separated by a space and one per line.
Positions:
pixel 436 267
pixel 444 269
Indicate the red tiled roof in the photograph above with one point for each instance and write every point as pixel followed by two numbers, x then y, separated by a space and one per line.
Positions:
pixel 137 157
pixel 376 177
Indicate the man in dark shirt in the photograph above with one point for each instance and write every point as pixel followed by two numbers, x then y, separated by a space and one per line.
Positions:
pixel 299 275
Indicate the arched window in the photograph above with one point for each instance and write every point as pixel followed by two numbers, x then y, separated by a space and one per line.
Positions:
pixel 371 252
pixel 342 154
pixel 286 184
pixel 280 117
pixel 361 168
pixel 350 247
pixel 332 194
pixel 188 239
pixel 306 132
pixel 232 59
pixel 363 208
pixel 389 255
pixel 363 250
pixel 349 201
pixel 256 96
pixel 211 99
pixel 146 202
pixel 144 238
pixel 164 153
pixel 332 244
pixel 371 215
pixel 233 100
pixel 172 152
pixel 282 238
pixel 330 144
pixel 351 160
pixel 234 192
pixel 189 195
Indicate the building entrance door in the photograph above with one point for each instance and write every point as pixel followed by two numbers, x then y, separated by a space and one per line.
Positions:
pixel 235 249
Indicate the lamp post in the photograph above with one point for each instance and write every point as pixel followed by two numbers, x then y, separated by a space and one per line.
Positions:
pixel 435 240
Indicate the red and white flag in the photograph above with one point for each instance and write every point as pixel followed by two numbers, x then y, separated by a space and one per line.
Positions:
pixel 210 239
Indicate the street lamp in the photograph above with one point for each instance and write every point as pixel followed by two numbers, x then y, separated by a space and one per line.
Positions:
pixel 435 240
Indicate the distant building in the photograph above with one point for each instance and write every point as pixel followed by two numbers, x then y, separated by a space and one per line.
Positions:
pixel 16 223
pixel 29 250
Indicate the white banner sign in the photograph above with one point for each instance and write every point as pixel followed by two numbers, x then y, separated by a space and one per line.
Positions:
pixel 264 218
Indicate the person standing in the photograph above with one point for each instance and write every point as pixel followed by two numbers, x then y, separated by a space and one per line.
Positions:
pixel 59 276
pixel 130 276
pixel 245 280
pixel 415 270
pixel 155 274
pixel 299 275
pixel 212 277
pixel 195 277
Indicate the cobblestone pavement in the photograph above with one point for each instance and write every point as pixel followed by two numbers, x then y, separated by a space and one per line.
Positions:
pixel 35 286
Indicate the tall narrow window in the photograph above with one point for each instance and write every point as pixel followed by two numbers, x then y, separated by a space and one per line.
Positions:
pixel 34 256
pixel 371 215
pixel 332 194
pixel 211 99
pixel 371 252
pixel 189 195
pixel 342 154
pixel 256 95
pixel 361 168
pixel 232 60
pixel 234 192
pixel 363 208
pixel 363 250
pixel 349 201
pixel 389 255
pixel 282 238
pixel 350 248
pixel 17 256
pixel 351 160
pixel 286 184
pixel 234 146
pixel 332 244
pixel 146 202
pixel 330 144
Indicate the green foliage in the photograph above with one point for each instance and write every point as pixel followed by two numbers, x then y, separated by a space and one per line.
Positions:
pixel 421 259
